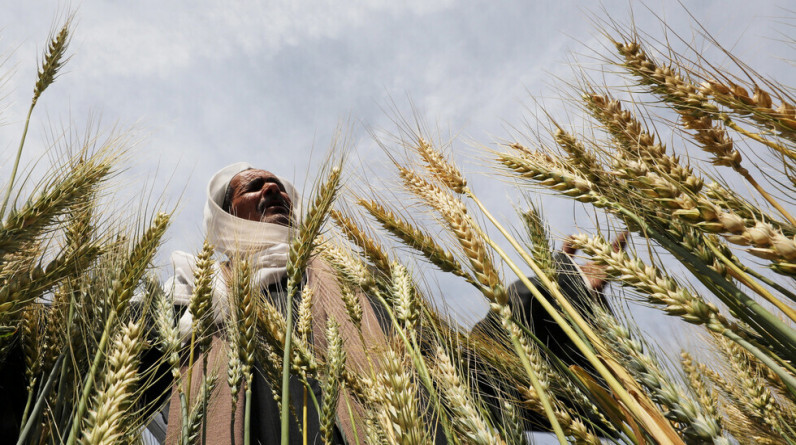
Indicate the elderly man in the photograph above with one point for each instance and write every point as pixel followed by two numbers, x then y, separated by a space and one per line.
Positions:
pixel 250 212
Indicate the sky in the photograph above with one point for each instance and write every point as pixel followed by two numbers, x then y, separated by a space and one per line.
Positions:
pixel 204 84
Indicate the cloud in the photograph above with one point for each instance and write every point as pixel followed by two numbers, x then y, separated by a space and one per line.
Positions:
pixel 145 39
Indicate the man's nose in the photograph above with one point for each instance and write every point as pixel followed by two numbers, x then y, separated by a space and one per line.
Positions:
pixel 270 188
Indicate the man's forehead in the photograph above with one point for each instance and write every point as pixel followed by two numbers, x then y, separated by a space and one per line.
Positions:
pixel 251 174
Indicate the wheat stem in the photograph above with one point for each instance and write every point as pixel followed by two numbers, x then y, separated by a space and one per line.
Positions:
pixel 544 399
pixel 16 161
pixel 768 197
pixel 778 148
pixel 300 250
pixel 751 283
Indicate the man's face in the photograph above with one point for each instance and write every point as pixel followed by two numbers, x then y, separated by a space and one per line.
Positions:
pixel 258 195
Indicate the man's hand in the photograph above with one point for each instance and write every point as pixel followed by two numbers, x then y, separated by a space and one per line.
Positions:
pixel 594 272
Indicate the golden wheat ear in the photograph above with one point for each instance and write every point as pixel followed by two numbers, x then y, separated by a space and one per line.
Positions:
pixel 415 238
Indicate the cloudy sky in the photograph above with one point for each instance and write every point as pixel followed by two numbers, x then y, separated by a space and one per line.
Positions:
pixel 207 83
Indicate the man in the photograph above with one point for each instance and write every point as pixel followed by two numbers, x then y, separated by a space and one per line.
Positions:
pixel 250 212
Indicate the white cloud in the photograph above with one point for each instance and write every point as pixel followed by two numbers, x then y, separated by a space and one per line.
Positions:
pixel 151 39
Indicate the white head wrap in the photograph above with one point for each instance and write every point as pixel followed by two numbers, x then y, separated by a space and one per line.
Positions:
pixel 264 244
pixel 232 235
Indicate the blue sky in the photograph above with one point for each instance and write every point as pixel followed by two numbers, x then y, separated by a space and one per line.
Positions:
pixel 213 83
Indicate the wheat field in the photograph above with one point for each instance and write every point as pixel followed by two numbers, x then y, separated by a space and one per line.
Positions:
pixel 90 348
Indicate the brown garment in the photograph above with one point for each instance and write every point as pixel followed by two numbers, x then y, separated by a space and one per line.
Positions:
pixel 219 411
pixel 327 302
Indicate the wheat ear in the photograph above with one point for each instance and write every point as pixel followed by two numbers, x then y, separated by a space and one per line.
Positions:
pixel 331 387
pixel 755 396
pixel 759 107
pixel 120 292
pixel 246 318
pixel 356 235
pixel 399 395
pixel 545 170
pixel 541 247
pixel 53 61
pixel 415 238
pixel 198 414
pixel 407 306
pixel 202 298
pixel 706 397
pixel 304 321
pixel 658 287
pixel 455 216
pixel 584 161
pixel 466 418
pixel 23 225
pixel 441 168
pixel 689 416
pixel 105 420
